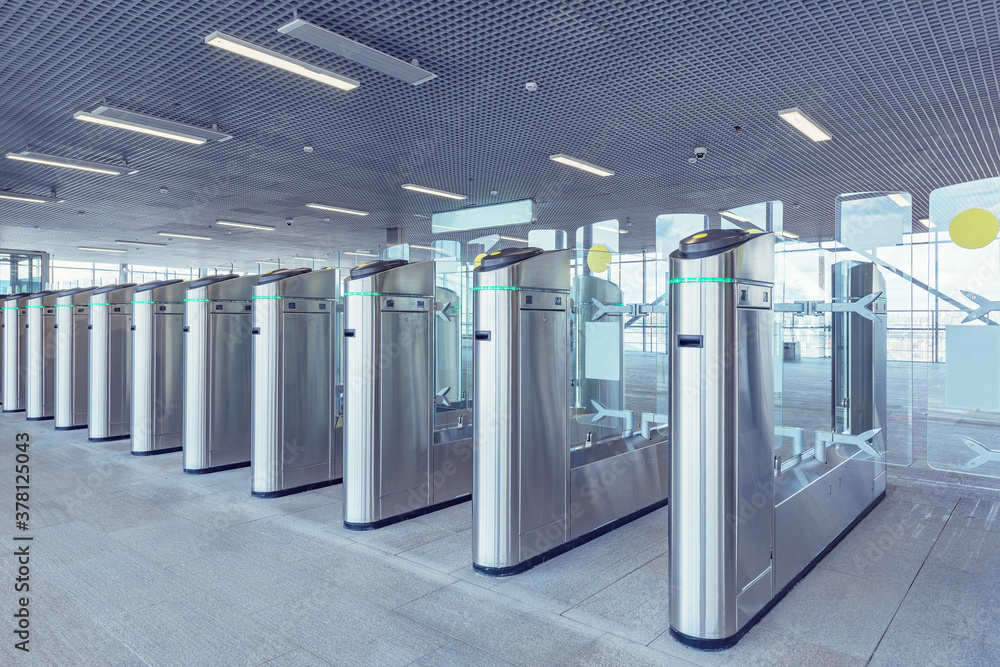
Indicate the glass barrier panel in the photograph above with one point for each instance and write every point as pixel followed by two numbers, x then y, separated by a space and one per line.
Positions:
pixel 453 345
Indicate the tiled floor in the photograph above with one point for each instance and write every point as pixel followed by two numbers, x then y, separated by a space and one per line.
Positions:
pixel 134 563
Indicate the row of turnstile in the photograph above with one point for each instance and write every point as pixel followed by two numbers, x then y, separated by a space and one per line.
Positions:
pixel 313 377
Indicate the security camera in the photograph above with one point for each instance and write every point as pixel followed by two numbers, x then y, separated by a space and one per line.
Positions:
pixel 700 152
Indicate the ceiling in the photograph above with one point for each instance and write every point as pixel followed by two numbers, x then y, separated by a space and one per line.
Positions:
pixel 909 91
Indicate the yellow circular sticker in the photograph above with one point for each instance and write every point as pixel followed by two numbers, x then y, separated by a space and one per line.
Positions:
pixel 478 260
pixel 699 236
pixel 599 258
pixel 974 228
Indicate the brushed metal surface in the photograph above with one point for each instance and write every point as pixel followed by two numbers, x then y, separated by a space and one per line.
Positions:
pixel 217 353
pixel 719 445
pixel 72 358
pixel 15 354
pixel 294 437
pixel 40 344
pixel 361 386
pixel 520 415
pixel 110 362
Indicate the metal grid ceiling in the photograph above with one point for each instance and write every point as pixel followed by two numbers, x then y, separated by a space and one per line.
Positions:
pixel 908 89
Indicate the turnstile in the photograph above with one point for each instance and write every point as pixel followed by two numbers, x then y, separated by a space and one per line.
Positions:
pixel 744 528
pixel 157 367
pixel 536 491
pixel 218 358
pixel 397 464
pixel 72 358
pixel 41 347
pixel 297 444
pixel 15 317
pixel 110 396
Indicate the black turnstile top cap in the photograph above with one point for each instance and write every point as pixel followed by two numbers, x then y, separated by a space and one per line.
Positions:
pixel 280 274
pixel 712 241
pixel 209 280
pixel 15 296
pixel 35 295
pixel 378 266
pixel 112 288
pixel 506 257
pixel 75 290
pixel 145 287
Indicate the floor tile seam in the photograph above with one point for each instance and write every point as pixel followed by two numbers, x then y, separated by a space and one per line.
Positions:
pixel 607 631
pixel 297 648
pixel 474 581
pixel 608 585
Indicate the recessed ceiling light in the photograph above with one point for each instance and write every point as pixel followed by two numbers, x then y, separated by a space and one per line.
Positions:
pixel 17 196
pixel 83 247
pixel 359 53
pixel 899 199
pixel 275 59
pixel 733 216
pixel 144 243
pixel 804 124
pixel 70 163
pixel 426 247
pixel 514 238
pixel 580 164
pixel 926 222
pixel 789 235
pixel 432 191
pixel 247 225
pixel 184 236
pixel 151 125
pixel 337 209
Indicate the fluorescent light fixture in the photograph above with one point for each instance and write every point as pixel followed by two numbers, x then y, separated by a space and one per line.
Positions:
pixel 432 191
pixel 899 199
pixel 513 238
pixel 247 225
pixel 311 259
pixel 83 247
pixel 789 235
pixel 337 209
pixel 608 229
pixel 426 247
pixel 804 124
pixel 733 216
pixel 70 163
pixel 275 59
pixel 144 243
pixel 151 125
pixel 184 236
pixel 484 217
pixel 363 254
pixel 359 53
pixel 926 222
pixel 265 261
pixel 580 164
pixel 17 196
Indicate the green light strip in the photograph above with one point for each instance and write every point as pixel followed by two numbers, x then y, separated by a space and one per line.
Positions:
pixel 34 306
pixel 494 288
pixel 64 305
pixel 674 281
pixel 362 294
pixel 197 300
pixel 10 307
pixel 266 296
pixel 143 302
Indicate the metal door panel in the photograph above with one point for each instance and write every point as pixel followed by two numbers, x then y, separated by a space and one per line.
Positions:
pixel 406 407
pixel 119 373
pixel 229 384
pixel 601 492
pixel 81 367
pixel 306 399
pixel 451 470
pixel 652 473
pixel 167 381
pixel 542 376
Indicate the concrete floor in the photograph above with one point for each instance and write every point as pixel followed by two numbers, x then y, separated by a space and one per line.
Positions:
pixel 134 562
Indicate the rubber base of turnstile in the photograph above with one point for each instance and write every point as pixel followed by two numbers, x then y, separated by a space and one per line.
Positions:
pixel 228 466
pixel 111 438
pixel 70 428
pixel 21 410
pixel 409 515
pixel 39 419
pixel 566 546
pixel 297 489
pixel 157 451
pixel 729 642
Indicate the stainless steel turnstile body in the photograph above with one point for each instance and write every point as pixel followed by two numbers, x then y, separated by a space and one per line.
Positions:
pixel 109 405
pixel 157 367
pixel 397 464
pixel 536 493
pixel 297 444
pixel 218 357
pixel 743 528
pixel 72 358
pixel 15 317
pixel 41 348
